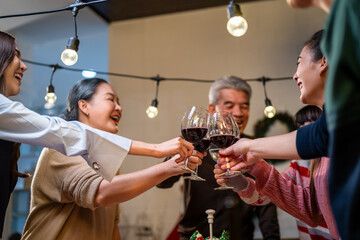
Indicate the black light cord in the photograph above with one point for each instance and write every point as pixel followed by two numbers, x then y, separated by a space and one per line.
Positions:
pixel 263 79
pixel 157 78
pixel 78 5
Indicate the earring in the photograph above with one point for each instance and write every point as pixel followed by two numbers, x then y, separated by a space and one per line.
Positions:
pixel 87 114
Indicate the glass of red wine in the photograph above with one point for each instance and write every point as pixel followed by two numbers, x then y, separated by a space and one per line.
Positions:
pixel 222 131
pixel 214 153
pixel 194 129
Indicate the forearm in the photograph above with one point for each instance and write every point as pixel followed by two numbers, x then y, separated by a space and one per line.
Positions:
pixel 143 149
pixel 127 186
pixel 276 147
pixel 286 194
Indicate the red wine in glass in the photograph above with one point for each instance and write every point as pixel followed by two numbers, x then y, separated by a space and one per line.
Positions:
pixel 223 140
pixel 194 134
pixel 194 128
pixel 203 145
pixel 222 131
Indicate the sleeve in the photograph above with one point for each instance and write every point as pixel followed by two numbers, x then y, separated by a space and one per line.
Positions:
pixel 168 183
pixel 290 197
pixel 312 139
pixel 66 179
pixel 103 151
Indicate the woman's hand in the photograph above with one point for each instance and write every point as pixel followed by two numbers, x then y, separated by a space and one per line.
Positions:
pixel 239 154
pixel 162 150
pixel 175 162
pixel 173 147
pixel 239 183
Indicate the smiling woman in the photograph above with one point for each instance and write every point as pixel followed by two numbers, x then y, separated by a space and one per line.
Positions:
pixel 66 190
pixel 19 124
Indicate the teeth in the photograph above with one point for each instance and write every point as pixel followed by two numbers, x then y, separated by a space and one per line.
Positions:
pixel 115 118
pixel 17 75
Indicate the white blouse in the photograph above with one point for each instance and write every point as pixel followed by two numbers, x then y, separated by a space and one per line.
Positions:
pixel 103 151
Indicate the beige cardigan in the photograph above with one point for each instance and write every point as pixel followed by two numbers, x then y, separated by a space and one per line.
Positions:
pixel 62 201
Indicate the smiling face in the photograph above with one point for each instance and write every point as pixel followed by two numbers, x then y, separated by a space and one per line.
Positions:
pixel 103 111
pixel 310 78
pixel 13 75
pixel 234 102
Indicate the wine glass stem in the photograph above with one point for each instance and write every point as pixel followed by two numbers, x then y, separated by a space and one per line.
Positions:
pixel 228 167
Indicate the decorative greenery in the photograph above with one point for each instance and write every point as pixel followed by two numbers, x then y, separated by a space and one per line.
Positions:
pixel 262 127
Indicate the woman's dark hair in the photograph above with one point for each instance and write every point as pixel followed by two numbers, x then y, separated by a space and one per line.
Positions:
pixel 314 45
pixel 7 53
pixel 309 114
pixel 82 90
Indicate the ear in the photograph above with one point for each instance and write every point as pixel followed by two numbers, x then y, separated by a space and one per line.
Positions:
pixel 323 66
pixel 211 108
pixel 83 106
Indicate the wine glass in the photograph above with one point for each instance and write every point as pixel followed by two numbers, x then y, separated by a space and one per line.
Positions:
pixel 194 129
pixel 201 146
pixel 222 130
pixel 214 153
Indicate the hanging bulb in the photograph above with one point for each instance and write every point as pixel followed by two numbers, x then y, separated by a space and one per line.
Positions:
pixel 50 97
pixel 69 56
pixel 269 110
pixel 152 110
pixel 88 73
pixel 236 25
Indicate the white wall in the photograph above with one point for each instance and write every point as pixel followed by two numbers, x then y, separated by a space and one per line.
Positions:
pixel 196 44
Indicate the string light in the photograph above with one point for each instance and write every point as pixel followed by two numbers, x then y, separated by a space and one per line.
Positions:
pixel 88 73
pixel 236 25
pixel 269 110
pixel 69 56
pixel 152 111
pixel 50 96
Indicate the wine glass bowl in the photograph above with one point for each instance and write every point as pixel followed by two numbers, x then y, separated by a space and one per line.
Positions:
pixel 223 131
pixel 194 127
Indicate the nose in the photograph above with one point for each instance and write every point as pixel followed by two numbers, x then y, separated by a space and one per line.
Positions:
pixel 236 111
pixel 118 108
pixel 23 67
pixel 295 77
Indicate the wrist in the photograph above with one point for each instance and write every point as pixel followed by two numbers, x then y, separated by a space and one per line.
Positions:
pixel 261 171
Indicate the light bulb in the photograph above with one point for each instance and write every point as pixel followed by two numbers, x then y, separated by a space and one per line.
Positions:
pixel 69 57
pixel 237 26
pixel 269 111
pixel 50 94
pixel 88 73
pixel 50 98
pixel 152 111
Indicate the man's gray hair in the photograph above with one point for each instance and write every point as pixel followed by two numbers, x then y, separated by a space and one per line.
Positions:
pixel 231 82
